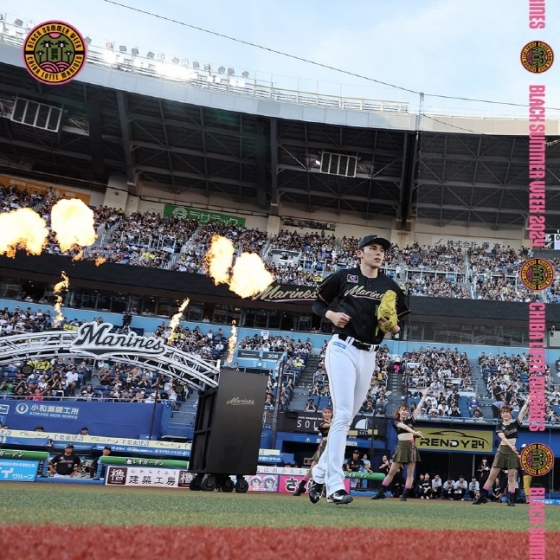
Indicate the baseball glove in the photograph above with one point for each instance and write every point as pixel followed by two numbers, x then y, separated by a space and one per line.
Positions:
pixel 388 309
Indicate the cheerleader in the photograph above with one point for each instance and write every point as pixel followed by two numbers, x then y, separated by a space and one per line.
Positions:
pixel 324 428
pixel 406 449
pixel 507 456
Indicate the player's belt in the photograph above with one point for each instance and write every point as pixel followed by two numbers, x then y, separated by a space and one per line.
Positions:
pixel 359 345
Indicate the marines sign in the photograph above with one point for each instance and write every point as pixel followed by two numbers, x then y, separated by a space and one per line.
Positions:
pixel 98 339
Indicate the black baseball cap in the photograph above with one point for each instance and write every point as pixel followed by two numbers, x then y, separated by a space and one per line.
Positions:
pixel 69 445
pixel 369 239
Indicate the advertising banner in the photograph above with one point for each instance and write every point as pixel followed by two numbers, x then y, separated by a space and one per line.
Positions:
pixel 122 420
pixel 262 482
pixel 203 216
pixel 288 483
pixel 18 471
pixel 147 477
pixel 467 441
pixel 248 353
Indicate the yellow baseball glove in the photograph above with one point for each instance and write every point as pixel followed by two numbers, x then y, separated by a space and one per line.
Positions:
pixel 388 309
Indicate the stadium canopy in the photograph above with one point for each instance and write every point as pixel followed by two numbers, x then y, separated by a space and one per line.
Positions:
pixel 442 174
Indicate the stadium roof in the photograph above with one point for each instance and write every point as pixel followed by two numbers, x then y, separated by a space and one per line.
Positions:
pixel 451 175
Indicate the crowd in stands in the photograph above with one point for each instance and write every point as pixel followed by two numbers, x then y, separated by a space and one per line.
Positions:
pixel 507 381
pixel 13 198
pixel 45 379
pixel 84 380
pixel 448 375
pixel 434 285
pixel 147 240
pixel 150 240
pixel 21 321
pixel 443 258
pixel 245 240
pixel 295 356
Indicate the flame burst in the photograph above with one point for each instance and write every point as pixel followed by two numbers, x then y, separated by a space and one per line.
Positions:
pixel 218 259
pixel 78 256
pixel 99 261
pixel 62 285
pixel 73 223
pixel 176 319
pixel 232 341
pixel 22 229
pixel 248 276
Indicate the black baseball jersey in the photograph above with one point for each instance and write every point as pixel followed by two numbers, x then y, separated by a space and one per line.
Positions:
pixel 354 465
pixel 510 431
pixel 409 423
pixel 65 464
pixel 349 291
pixel 324 428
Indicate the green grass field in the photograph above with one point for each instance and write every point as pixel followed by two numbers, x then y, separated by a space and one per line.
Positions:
pixel 99 505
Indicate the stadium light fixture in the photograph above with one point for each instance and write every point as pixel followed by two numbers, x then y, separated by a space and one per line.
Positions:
pixel 134 51
pixel 185 62
pixel 161 57
pixel 245 74
pixel 207 67
pixel 18 22
pixel 175 60
pixel 88 40
pixel 122 48
pixel 150 55
pixel 221 69
pixel 109 46
pixel 195 65
pixel 230 71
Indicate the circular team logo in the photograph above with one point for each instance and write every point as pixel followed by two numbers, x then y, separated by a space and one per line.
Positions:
pixel 537 459
pixel 537 274
pixel 22 408
pixel 537 57
pixel 54 52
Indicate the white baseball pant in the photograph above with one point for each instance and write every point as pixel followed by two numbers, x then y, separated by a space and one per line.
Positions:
pixel 349 371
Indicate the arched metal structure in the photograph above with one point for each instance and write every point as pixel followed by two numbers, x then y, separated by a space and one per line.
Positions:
pixel 188 368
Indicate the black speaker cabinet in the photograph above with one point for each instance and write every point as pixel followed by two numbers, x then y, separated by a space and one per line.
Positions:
pixel 228 425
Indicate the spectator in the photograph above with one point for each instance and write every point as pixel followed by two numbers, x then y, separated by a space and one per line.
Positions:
pixel 447 489
pixel 310 406
pixel 366 468
pixel 483 471
pixel 436 487
pixel 474 488
pixel 426 490
pixel 460 488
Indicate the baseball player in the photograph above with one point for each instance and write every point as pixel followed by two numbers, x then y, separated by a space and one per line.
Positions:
pixel 363 304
